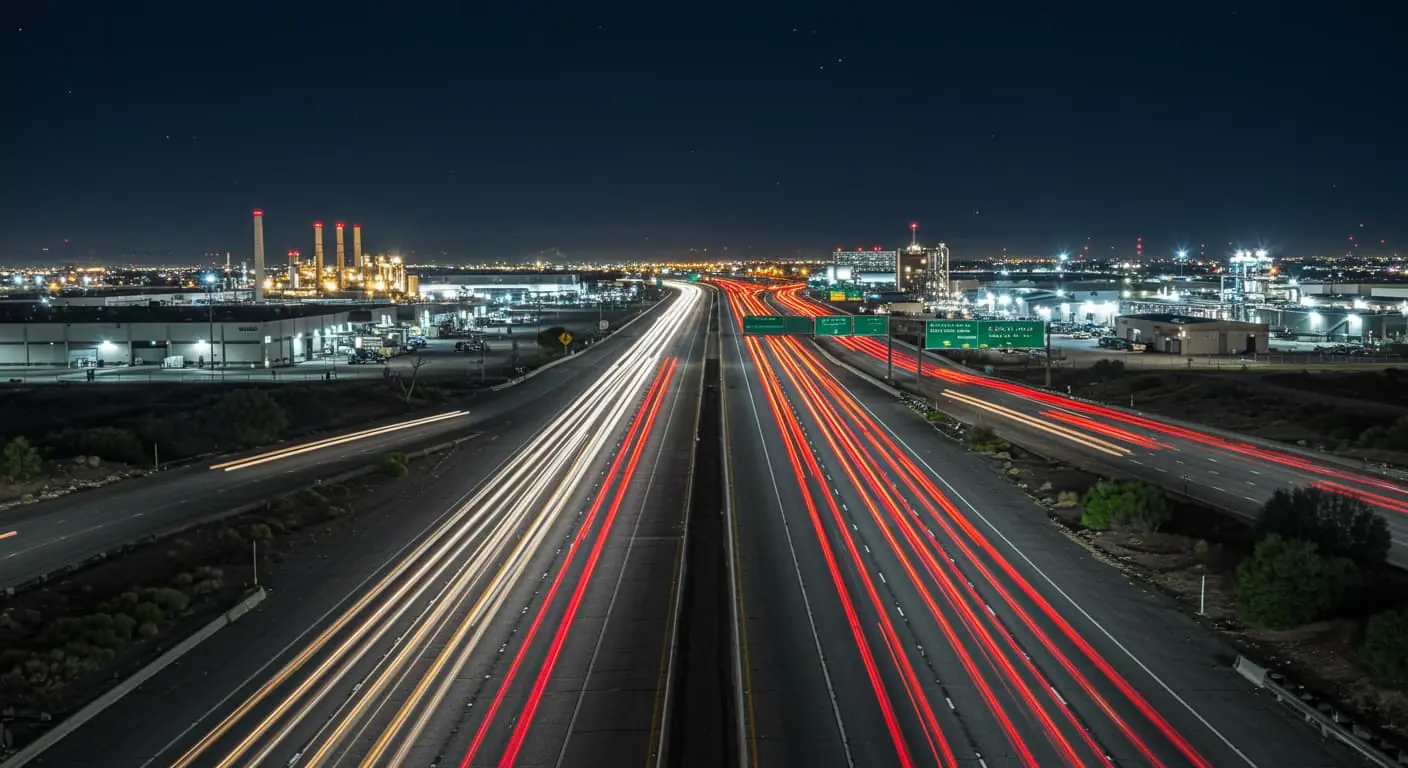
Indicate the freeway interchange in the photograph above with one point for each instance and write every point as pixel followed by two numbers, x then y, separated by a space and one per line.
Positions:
pixel 888 601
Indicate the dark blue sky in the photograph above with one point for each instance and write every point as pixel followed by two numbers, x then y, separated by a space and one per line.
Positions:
pixel 494 129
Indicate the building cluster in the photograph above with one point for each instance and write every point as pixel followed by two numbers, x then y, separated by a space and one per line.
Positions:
pixel 365 275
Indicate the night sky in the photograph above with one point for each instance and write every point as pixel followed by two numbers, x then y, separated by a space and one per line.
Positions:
pixel 491 130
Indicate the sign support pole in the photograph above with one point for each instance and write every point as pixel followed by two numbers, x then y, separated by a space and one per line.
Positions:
pixel 1048 355
pixel 889 348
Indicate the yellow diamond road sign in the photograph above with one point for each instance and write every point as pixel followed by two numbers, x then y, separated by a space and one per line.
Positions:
pixel 565 338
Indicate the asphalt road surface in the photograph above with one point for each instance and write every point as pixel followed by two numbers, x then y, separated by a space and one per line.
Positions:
pixel 42 538
pixel 1228 472
pixel 904 605
pixel 515 609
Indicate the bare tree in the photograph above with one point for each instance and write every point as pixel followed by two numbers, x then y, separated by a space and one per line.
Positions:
pixel 409 389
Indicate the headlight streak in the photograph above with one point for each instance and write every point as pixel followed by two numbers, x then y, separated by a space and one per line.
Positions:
pixel 811 376
pixel 1095 444
pixel 316 445
pixel 479 529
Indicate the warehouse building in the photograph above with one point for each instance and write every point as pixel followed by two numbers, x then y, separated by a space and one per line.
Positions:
pixel 231 336
pixel 1181 335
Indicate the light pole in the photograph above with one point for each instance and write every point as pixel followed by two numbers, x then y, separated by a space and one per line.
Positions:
pixel 210 308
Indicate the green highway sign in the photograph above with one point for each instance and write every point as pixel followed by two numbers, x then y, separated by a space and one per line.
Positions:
pixel 984 334
pixel 776 325
pixel 659 283
pixel 833 325
pixel 854 294
pixel 951 334
pixel 1026 334
pixel 872 325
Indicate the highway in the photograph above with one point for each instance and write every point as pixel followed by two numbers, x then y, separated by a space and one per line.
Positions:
pixel 904 606
pixel 1232 474
pixel 42 538
pixel 528 623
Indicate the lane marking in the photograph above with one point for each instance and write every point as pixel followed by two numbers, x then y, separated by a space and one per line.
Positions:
pixel 1052 583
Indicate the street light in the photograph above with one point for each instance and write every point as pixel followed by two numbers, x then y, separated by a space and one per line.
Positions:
pixel 210 307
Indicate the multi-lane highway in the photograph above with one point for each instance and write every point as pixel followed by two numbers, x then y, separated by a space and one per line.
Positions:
pixel 42 538
pixel 903 606
pixel 1228 473
pixel 528 624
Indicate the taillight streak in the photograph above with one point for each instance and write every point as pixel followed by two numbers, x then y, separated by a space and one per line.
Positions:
pixel 906 469
pixel 851 460
pixel 795 443
pixel 524 722
pixel 632 436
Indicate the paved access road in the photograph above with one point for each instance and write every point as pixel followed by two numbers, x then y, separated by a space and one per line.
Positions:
pixel 1229 472
pixel 42 538
pixel 528 622
pixel 906 606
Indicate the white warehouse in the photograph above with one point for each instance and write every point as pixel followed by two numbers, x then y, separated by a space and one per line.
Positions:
pixel 240 336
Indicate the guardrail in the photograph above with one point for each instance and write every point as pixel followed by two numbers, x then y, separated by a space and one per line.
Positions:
pixel 1320 715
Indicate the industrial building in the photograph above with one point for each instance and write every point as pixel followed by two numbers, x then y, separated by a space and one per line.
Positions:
pixel 227 336
pixel 514 287
pixel 1183 335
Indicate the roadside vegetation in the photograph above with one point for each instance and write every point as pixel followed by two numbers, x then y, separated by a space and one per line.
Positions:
pixel 1306 584
pixel 66 641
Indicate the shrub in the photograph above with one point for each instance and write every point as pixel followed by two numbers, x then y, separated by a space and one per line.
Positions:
pixel 20 461
pixel 1125 505
pixel 171 601
pixel 1286 583
pixel 110 443
pixel 148 629
pixel 1338 525
pixel 394 464
pixel 1384 654
pixel 148 612
pixel 245 417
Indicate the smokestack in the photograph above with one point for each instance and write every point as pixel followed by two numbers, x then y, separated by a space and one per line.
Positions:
pixel 318 256
pixel 258 256
pixel 293 270
pixel 341 263
pixel 356 246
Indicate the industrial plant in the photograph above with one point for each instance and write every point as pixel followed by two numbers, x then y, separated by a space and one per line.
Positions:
pixel 366 276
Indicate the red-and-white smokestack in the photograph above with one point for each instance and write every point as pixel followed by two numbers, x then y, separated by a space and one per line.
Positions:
pixel 293 270
pixel 258 256
pixel 317 255
pixel 341 262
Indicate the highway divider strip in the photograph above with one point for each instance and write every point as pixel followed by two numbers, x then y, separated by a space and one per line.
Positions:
pixel 98 706
pixel 565 358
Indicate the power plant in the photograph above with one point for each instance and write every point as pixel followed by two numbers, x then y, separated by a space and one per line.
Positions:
pixel 365 276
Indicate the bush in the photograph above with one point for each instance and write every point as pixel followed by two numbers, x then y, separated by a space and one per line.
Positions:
pixel 1384 654
pixel 171 601
pixel 20 461
pixel 395 464
pixel 1338 525
pixel 1125 505
pixel 1286 583
pixel 110 443
pixel 245 417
